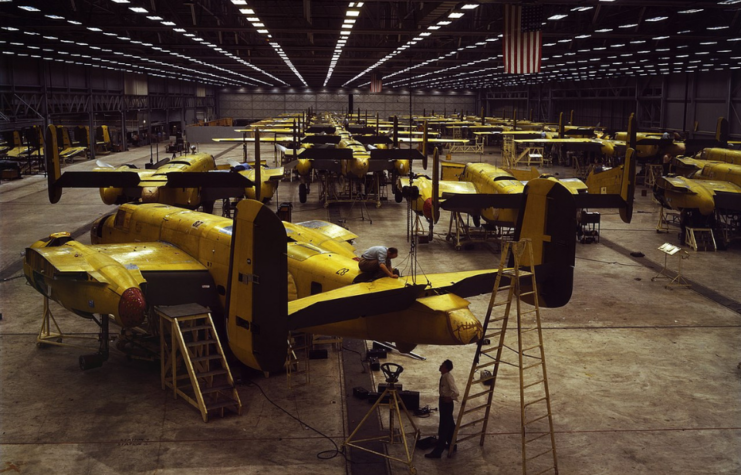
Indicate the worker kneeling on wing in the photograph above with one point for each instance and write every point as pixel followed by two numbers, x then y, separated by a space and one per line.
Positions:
pixel 377 262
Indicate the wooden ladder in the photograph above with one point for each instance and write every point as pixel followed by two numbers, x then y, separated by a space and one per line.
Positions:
pixel 194 352
pixel 536 421
pixel 700 238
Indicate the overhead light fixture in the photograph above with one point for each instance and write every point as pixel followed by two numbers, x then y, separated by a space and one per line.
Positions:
pixel 54 17
pixel 657 18
pixel 155 18
pixel 603 30
pixel 29 8
pixel 120 1
pixel 73 22
pixel 557 17
pixel 694 10
pixel 247 11
pixel 138 10
pixel 632 25
pixel 168 23
pixel 353 13
pixel 455 15
pixel 239 2
pixel 469 6
pixel 717 27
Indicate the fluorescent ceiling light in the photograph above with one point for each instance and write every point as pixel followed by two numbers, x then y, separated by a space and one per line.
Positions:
pixel 155 18
pixel 557 17
pixel 54 17
pixel 138 10
pixel 694 10
pixel 657 18
pixel 352 13
pixel 455 15
pixel 239 2
pixel 28 8
pixel 628 26
pixel 469 6
pixel 247 11
pixel 262 31
pixel 168 23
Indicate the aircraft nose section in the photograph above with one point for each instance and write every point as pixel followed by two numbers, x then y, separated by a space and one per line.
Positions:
pixel 132 307
pixel 427 208
pixel 464 326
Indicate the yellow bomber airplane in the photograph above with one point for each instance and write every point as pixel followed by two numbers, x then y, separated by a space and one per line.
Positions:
pixel 707 196
pixel 261 277
pixel 190 181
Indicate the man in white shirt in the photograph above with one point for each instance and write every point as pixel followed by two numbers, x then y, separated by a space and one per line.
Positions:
pixel 448 394
pixel 377 261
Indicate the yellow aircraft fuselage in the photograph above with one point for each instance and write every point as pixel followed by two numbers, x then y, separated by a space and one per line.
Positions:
pixel 315 264
pixel 489 179
pixel 721 155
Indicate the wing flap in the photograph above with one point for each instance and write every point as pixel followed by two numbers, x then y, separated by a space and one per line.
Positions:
pixel 354 301
pixel 99 179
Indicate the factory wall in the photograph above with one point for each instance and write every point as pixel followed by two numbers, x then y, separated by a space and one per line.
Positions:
pixel 258 103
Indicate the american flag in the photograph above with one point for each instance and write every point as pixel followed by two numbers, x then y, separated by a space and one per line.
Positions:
pixel 523 40
pixel 375 83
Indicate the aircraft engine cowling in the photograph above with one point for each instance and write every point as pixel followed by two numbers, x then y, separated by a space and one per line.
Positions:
pixel 132 307
pixel 110 195
pixel 150 194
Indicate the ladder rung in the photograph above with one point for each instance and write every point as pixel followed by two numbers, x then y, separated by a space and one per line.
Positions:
pixel 219 405
pixel 472 422
pixel 477 408
pixel 536 420
pixel 546 470
pixel 195 328
pixel 489 350
pixel 214 389
pixel 528 330
pixel 492 335
pixel 532 366
pixel 536 401
pixel 533 384
pixel 474 396
pixel 494 320
pixel 531 348
pixel 200 343
pixel 461 439
pixel 525 294
pixel 540 454
pixel 538 437
pixel 215 356
pixel 485 365
pixel 214 372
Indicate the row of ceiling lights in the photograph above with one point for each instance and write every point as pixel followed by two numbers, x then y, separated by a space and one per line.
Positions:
pixel 260 26
pixel 350 17
pixel 454 15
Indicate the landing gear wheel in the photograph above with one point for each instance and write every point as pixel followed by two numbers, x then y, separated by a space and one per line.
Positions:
pixel 91 361
pixel 398 197
pixel 302 192
pixel 476 220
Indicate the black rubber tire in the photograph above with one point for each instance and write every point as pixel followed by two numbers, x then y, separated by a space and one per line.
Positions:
pixel 302 192
pixel 398 197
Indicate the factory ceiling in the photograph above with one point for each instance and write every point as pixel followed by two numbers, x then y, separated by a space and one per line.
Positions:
pixel 328 43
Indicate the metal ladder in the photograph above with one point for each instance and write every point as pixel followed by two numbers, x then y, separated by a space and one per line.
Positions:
pixel 535 404
pixel 194 352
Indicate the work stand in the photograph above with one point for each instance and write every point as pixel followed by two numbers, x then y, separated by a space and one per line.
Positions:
pixel 675 280
pixel 389 397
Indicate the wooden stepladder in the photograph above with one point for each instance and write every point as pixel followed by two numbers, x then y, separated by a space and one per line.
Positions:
pixel 194 352
pixel 297 359
pixel 536 420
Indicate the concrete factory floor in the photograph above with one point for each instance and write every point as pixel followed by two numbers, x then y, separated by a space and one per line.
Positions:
pixel 643 379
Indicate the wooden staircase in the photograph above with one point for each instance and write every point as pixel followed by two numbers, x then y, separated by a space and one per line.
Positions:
pixel 191 350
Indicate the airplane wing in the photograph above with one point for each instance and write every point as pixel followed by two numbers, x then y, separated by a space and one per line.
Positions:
pixel 338 233
pixel 677 184
pixel 95 279
pixel 99 179
pixel 463 284
pixel 449 187
pixel 279 138
pixel 353 301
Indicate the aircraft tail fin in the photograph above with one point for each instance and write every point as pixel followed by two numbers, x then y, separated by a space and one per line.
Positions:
pixel 548 219
pixel 53 167
pixel 257 291
pixel 612 188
